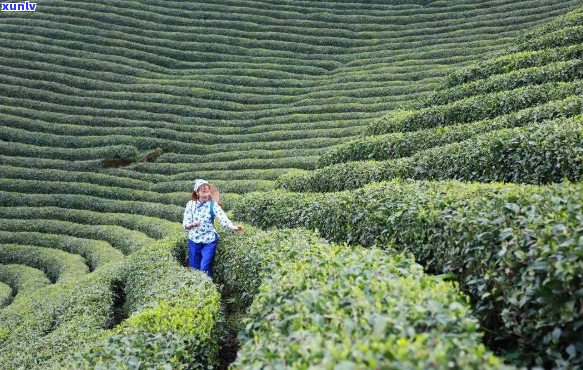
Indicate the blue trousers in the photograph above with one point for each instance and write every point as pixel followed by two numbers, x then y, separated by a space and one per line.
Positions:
pixel 201 255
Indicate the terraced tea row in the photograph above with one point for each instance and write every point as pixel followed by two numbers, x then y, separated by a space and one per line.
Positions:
pixel 307 299
pixel 506 244
pixel 59 266
pixel 56 320
pixel 20 280
pixel 238 92
pixel 159 187
pixel 404 144
pixel 501 125
pixel 122 73
pixel 95 252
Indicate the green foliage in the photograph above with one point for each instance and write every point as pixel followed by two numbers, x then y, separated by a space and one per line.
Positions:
pixel 68 154
pixel 5 297
pixel 59 266
pixel 236 93
pixel 95 252
pixel 557 71
pixel 478 107
pixel 332 306
pixel 93 210
pixel 507 63
pixel 174 313
pixel 124 240
pixel 181 336
pixel 174 317
pixel 22 279
pixel 514 248
pixel 311 304
pixel 403 144
pixel 551 151
pixel 243 269
pixel 45 324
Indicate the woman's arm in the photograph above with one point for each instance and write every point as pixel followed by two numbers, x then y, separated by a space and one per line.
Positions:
pixel 224 220
pixel 187 219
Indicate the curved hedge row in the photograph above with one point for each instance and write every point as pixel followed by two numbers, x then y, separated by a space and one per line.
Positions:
pixel 315 304
pixel 255 174
pixel 163 54
pixel 220 157
pixel 28 98
pixel 124 240
pixel 178 326
pixel 5 294
pixel 404 144
pixel 526 57
pixel 95 252
pixel 514 248
pixel 149 138
pixel 560 71
pixel 151 227
pixel 70 154
pixel 53 174
pixel 22 280
pixel 242 269
pixel 44 186
pixel 173 192
pixel 184 187
pixel 42 325
pixel 361 310
pixel 59 266
pixel 143 214
pixel 476 108
pixel 29 162
pixel 543 153
pixel 307 162
pixel 316 139
pixel 530 67
pixel 229 103
pixel 565 36
pixel 173 125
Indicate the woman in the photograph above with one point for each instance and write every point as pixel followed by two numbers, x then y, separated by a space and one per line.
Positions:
pixel 198 220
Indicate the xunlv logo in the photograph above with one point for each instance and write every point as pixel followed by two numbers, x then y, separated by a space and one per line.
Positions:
pixel 18 7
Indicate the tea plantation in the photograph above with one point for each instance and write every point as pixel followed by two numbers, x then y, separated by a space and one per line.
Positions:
pixel 409 173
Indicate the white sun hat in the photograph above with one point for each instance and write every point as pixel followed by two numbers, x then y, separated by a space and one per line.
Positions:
pixel 215 193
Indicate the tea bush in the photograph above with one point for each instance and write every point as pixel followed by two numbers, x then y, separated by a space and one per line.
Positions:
pixel 330 306
pixel 316 298
pixel 5 294
pixel 174 316
pixel 476 108
pixel 22 279
pixel 95 252
pixel 59 266
pixel 124 240
pixel 403 144
pixel 513 248
pixel 537 154
pixel 556 71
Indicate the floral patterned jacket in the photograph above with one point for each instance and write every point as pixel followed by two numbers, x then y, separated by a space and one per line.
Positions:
pixel 196 211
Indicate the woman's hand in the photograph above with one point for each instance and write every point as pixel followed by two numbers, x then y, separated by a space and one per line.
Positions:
pixel 194 224
pixel 236 228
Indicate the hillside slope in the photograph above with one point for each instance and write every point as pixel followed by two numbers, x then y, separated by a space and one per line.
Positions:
pixel 512 118
pixel 481 180
pixel 237 91
pixel 110 109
